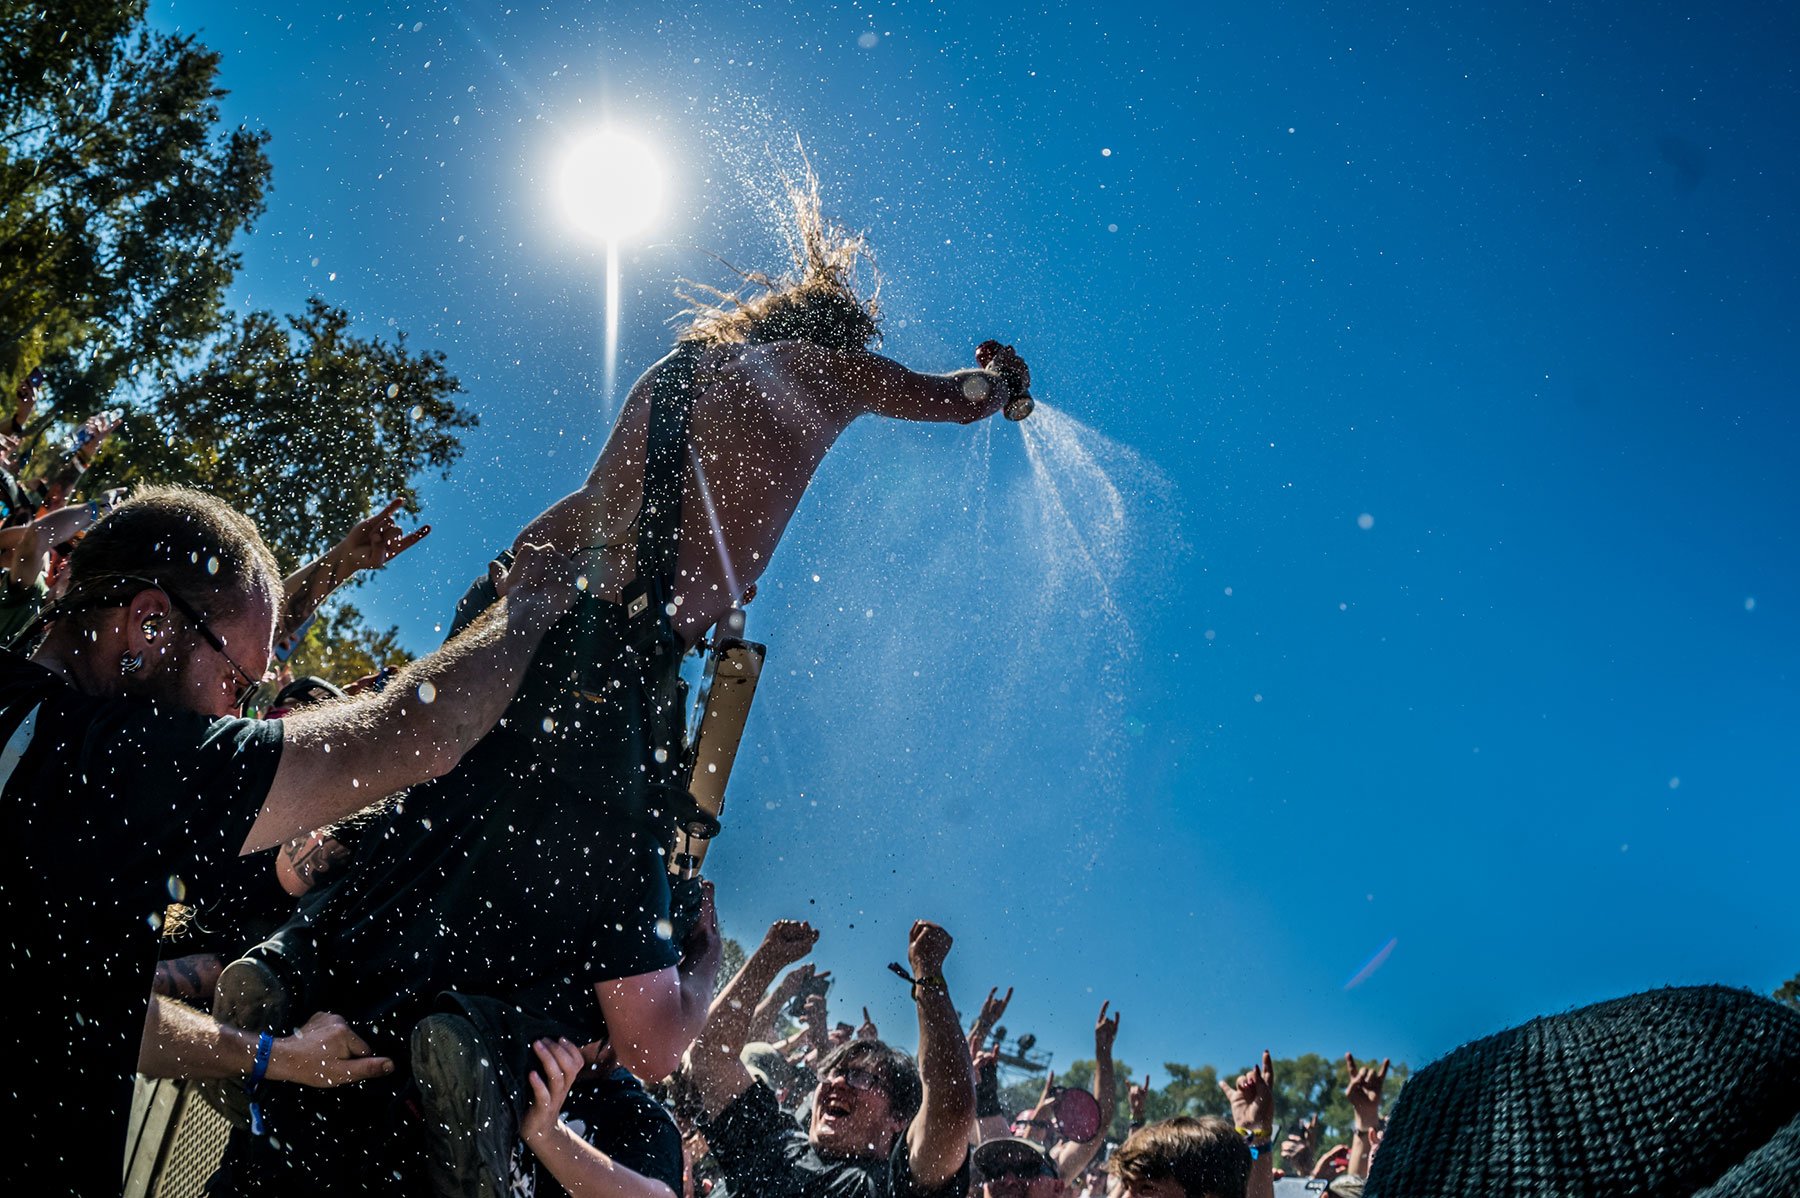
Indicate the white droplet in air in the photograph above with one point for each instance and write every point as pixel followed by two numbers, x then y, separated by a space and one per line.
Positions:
pixel 581 582
pixel 332 277
pixel 212 565
pixel 418 412
pixel 427 692
pixel 1674 783
pixel 1105 152
pixel 661 755
pixel 869 40
pixel 1256 698
pixel 664 929
pixel 549 724
pixel 418 25
pixel 1112 228
pixel 177 889
pixel 1750 604
pixel 393 390
pixel 815 578
pixel 1365 522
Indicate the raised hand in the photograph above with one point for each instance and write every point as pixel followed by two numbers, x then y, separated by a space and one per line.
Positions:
pixel 1136 1095
pixel 815 1015
pixel 1364 1090
pixel 560 1063
pixel 926 949
pixel 787 940
pixel 1252 1097
pixel 377 541
pixel 1105 1032
pixel 993 1010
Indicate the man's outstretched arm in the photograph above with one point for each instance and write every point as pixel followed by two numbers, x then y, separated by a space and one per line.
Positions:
pixel 718 1073
pixel 337 758
pixel 869 382
pixel 938 1141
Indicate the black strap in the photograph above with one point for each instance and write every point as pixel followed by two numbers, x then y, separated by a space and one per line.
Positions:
pixel 665 468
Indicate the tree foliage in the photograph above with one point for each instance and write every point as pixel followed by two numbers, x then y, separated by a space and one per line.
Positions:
pixel 120 200
pixel 119 197
pixel 300 424
pixel 1789 992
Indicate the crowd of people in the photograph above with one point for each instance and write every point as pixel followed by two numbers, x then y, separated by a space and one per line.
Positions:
pixel 425 932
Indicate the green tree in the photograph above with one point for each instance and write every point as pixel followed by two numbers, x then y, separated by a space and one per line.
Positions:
pixel 120 200
pixel 1789 991
pixel 119 197
pixel 341 647
pixel 300 424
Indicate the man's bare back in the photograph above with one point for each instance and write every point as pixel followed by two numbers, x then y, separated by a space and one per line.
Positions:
pixel 764 418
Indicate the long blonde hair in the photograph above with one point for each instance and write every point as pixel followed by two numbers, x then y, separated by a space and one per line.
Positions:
pixel 816 301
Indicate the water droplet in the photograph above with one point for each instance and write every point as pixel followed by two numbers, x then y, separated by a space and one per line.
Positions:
pixel 1365 522
pixel 661 755
pixel 177 889
pixel 427 692
pixel 212 565
pixel 1105 152
pixel 418 412
pixel 581 582
pixel 393 390
pixel 869 40
pixel 1750 604
pixel 1674 783
pixel 664 929
pixel 549 724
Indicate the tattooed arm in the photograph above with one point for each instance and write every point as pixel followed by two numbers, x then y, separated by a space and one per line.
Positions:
pixel 188 978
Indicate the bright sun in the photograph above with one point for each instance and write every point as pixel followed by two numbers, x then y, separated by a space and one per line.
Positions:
pixel 610 186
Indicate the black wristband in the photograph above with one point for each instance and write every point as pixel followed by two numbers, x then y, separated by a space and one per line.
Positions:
pixel 987 1090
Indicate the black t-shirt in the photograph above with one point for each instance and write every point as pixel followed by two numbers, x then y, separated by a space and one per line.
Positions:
pixel 765 1154
pixel 529 872
pixel 616 1115
pixel 109 807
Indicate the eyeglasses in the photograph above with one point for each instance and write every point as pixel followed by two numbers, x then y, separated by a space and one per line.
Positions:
pixel 856 1078
pixel 206 633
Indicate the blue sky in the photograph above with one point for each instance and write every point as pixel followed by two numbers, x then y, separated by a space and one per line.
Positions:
pixel 1509 287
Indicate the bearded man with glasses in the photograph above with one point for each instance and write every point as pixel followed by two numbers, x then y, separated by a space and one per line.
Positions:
pixel 125 778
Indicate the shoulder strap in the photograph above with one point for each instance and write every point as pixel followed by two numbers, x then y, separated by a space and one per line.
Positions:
pixel 665 467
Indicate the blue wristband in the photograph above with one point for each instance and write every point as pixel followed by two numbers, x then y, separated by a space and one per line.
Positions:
pixel 265 1047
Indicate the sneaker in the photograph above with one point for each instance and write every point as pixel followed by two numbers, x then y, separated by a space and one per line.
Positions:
pixel 469 1125
pixel 249 996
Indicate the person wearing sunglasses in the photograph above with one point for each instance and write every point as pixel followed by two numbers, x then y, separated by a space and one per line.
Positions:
pixel 881 1126
pixel 125 777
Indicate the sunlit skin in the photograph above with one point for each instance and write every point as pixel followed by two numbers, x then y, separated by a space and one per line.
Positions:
pixel 764 419
pixel 847 1121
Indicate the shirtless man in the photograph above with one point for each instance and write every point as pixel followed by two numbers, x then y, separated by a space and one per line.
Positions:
pixel 535 874
pixel 765 415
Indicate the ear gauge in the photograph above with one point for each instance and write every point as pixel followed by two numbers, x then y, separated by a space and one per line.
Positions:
pixel 131 663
